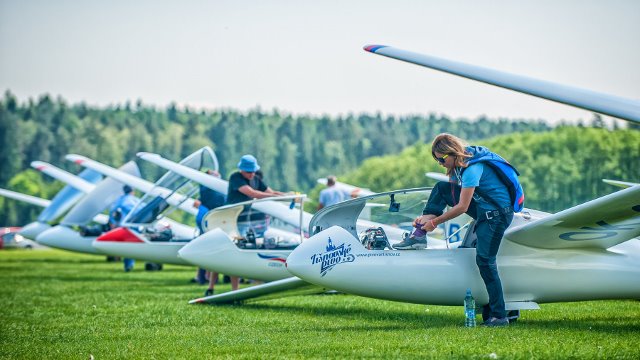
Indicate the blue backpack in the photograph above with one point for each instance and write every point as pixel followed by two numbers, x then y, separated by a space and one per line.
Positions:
pixel 505 171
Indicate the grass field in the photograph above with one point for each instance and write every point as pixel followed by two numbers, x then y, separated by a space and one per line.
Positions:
pixel 57 304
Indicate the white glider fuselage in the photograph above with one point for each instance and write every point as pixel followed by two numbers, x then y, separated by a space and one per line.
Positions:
pixel 543 258
pixel 587 252
pixel 78 185
pixel 145 246
pixel 222 248
pixel 89 209
pixel 147 233
pixel 441 276
pixel 216 251
pixel 65 238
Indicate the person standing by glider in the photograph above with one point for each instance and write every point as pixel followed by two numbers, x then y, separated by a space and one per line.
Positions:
pixel 244 185
pixel 484 186
pixel 209 200
pixel 331 195
pixel 119 210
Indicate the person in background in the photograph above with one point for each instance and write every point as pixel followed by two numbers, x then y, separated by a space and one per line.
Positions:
pixel 119 210
pixel 244 185
pixel 331 195
pixel 209 200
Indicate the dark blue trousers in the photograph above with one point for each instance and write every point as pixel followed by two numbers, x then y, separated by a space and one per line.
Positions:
pixel 489 233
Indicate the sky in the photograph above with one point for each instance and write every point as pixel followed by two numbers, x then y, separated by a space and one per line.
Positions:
pixel 306 57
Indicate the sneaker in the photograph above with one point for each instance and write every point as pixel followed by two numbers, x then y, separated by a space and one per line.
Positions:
pixel 209 292
pixel 495 322
pixel 412 243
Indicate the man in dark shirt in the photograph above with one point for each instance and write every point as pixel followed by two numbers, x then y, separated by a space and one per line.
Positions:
pixel 244 185
pixel 210 198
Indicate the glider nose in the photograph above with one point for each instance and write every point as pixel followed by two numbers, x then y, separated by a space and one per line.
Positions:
pixel 319 254
pixel 203 250
pixel 308 261
pixel 62 237
pixel 34 229
pixel 299 262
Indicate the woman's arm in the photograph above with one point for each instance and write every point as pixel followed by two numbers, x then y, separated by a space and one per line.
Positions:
pixel 466 194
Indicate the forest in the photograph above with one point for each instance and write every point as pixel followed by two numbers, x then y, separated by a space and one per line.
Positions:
pixel 560 166
pixel 558 169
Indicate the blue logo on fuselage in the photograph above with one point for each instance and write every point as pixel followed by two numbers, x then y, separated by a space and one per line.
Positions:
pixel 333 256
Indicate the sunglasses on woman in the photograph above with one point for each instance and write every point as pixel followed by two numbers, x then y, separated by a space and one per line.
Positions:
pixel 442 159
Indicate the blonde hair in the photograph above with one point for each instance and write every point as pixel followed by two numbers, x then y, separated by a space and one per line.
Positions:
pixel 447 144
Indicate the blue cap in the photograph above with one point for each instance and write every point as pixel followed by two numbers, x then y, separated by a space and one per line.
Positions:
pixel 248 163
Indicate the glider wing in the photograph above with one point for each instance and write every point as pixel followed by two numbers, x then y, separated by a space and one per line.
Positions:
pixel 599 223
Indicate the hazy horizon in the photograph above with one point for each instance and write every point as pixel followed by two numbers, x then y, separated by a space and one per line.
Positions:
pixel 306 57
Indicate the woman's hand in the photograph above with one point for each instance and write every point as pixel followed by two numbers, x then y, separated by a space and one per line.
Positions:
pixel 429 226
pixel 423 220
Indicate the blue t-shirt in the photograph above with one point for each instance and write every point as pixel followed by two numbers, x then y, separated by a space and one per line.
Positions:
pixel 202 211
pixel 485 179
pixel 332 195
pixel 124 204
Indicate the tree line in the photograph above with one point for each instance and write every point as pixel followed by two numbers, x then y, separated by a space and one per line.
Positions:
pixel 558 169
pixel 293 151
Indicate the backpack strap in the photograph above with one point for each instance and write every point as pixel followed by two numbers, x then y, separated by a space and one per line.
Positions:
pixel 481 193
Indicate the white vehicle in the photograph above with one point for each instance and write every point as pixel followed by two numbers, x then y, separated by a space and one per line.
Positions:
pixel 587 252
pixel 262 252
pixel 148 233
pixel 63 200
pixel 220 248
pixel 9 238
pixel 583 253
pixel 80 226
pixel 568 256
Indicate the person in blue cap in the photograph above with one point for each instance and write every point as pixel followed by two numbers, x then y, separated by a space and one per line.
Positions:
pixel 244 185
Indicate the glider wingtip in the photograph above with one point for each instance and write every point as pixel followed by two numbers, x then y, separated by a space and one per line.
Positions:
pixel 373 48
pixel 78 159
pixel 38 165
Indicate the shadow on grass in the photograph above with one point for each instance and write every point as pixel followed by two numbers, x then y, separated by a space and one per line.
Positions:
pixel 52 260
pixel 117 275
pixel 368 316
pixel 406 319
pixel 609 324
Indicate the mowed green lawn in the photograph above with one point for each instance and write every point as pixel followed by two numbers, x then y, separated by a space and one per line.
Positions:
pixel 57 304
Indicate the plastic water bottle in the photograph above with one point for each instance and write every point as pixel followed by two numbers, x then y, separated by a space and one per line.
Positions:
pixel 469 310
